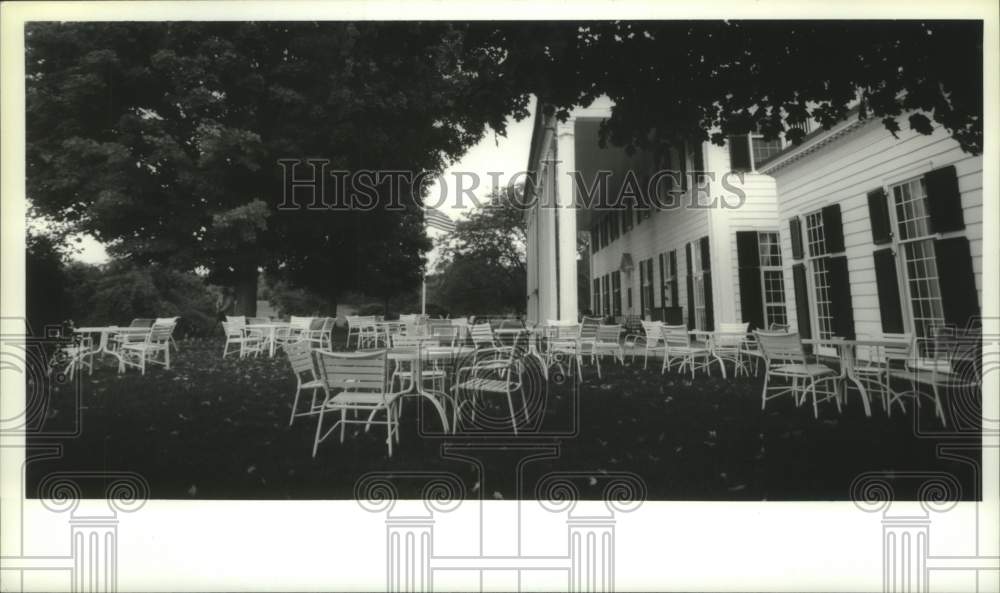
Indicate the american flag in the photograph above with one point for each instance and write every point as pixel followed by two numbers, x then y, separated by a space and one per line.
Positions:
pixel 438 220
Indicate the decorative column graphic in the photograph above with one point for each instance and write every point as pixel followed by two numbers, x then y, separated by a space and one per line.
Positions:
pixel 588 562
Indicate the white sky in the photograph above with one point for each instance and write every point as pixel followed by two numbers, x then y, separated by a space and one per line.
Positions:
pixel 506 155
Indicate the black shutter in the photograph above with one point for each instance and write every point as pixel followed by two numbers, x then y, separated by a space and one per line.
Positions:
pixel 944 201
pixel 706 266
pixel 888 291
pixel 663 282
pixel 795 234
pixel 642 288
pixel 748 256
pixel 959 297
pixel 699 162
pixel 841 307
pixel 878 215
pixel 690 286
pixel 739 153
pixel 674 289
pixel 801 300
pixel 833 229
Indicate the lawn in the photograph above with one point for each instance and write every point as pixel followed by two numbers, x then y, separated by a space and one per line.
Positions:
pixel 210 428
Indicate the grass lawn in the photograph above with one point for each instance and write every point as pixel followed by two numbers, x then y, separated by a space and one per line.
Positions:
pixel 210 428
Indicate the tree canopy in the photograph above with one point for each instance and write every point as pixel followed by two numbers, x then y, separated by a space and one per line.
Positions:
pixel 163 139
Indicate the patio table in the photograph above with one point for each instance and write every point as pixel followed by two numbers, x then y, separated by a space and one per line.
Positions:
pixel 272 332
pixel 103 341
pixel 417 357
pixel 708 337
pixel 846 353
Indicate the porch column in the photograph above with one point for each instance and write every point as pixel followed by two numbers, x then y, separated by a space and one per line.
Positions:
pixel 548 280
pixel 566 220
pixel 531 253
pixel 720 236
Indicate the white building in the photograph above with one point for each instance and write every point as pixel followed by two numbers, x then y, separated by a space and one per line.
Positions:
pixel 844 234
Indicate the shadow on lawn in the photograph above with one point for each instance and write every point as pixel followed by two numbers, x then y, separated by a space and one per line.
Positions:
pixel 218 429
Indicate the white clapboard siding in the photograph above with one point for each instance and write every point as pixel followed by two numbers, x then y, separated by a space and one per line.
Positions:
pixel 844 172
pixel 759 212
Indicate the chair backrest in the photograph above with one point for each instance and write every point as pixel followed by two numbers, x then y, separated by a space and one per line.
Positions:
pixel 257 320
pixel 463 322
pixel 160 333
pixel 165 321
pixel 142 322
pixel 560 330
pixel 404 341
pixel 301 358
pixel 409 319
pixel 780 347
pixel 354 371
pixel 652 330
pixel 609 333
pixel 731 334
pixel 232 329
pixel 482 335
pixel 778 327
pixel 238 320
pixel 588 328
pixel 676 336
pixel 301 323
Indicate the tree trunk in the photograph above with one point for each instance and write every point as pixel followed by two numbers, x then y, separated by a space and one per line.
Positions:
pixel 246 293
pixel 331 306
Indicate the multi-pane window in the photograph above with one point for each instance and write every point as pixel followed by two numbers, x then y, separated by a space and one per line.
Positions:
pixel 646 289
pixel 819 271
pixel 616 293
pixel 698 279
pixel 668 278
pixel 763 150
pixel 772 278
pixel 917 247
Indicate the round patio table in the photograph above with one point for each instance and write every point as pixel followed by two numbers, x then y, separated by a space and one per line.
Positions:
pixel 272 332
pixel 417 356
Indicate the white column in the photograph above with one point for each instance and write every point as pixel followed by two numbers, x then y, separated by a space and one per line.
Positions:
pixel 720 237
pixel 547 277
pixel 531 252
pixel 566 200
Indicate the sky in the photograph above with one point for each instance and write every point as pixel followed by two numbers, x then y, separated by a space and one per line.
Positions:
pixel 507 155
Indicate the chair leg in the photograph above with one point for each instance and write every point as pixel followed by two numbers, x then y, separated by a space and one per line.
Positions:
pixel 166 354
pixel 513 417
pixel 295 404
pixel 763 393
pixel 319 428
pixel 812 387
pixel 343 423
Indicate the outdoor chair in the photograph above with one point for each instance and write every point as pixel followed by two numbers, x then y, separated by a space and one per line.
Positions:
pixel 116 340
pixel 937 364
pixel 320 333
pixel 369 336
pixel 607 342
pixel 482 336
pixel 679 349
pixel 403 369
pixel 77 354
pixel 444 332
pixel 155 342
pixel 729 344
pixel 307 377
pixel 563 343
pixel 354 384
pixel 168 321
pixel 652 341
pixel 496 372
pixel 249 342
pixel 788 371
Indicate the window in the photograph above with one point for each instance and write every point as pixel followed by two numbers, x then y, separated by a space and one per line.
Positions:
pixel 916 244
pixel 668 279
pixel 646 287
pixel 763 150
pixel 819 272
pixel 698 277
pixel 596 299
pixel 772 278
pixel 616 292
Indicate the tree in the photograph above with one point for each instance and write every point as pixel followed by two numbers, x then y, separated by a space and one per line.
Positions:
pixel 163 139
pixel 482 267
pixel 698 80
